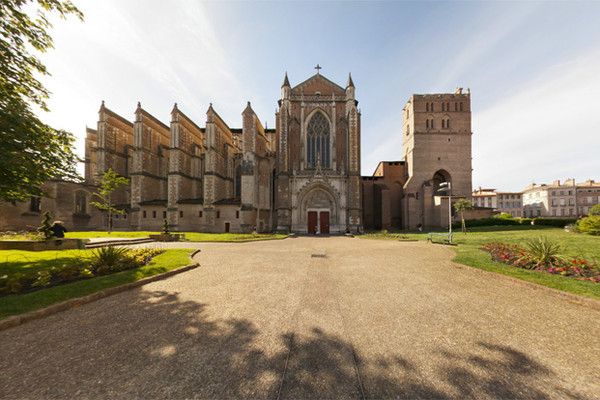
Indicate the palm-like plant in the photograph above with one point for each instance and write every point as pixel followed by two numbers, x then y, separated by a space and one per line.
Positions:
pixel 543 251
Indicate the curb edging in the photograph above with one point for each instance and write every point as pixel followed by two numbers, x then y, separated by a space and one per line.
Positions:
pixel 17 320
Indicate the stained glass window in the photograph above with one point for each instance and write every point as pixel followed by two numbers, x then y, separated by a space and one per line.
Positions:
pixel 317 141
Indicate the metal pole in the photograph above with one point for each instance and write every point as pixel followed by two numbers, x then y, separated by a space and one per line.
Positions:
pixel 450 208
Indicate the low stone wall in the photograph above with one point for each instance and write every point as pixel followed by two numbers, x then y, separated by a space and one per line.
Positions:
pixel 43 245
pixel 166 237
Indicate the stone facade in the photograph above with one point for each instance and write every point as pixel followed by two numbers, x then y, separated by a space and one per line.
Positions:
pixel 502 202
pixel 436 148
pixel 303 176
pixel 318 164
pixel 566 200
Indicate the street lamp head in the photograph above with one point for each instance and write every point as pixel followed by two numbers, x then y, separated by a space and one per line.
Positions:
pixel 445 186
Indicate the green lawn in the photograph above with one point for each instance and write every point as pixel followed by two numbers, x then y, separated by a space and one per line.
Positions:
pixel 22 303
pixel 14 261
pixel 113 234
pixel 228 237
pixel 573 245
pixel 189 236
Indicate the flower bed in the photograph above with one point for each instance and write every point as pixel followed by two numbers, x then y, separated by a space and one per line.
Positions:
pixel 104 261
pixel 521 258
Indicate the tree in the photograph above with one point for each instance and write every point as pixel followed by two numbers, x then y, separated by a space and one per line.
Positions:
pixel 594 211
pixel 46 229
pixel 109 182
pixel 461 206
pixel 31 152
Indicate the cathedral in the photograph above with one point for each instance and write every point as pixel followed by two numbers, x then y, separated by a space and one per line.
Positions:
pixel 303 176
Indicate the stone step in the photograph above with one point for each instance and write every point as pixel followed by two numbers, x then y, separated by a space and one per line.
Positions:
pixel 116 242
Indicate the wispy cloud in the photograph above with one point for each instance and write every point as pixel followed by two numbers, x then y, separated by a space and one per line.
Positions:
pixel 544 130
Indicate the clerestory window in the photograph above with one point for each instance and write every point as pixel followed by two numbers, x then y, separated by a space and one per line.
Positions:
pixel 317 141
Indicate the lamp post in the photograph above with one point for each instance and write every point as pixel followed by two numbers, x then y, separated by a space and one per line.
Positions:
pixel 447 187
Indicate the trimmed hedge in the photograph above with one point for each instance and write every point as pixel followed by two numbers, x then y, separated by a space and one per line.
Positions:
pixel 495 221
pixel 561 223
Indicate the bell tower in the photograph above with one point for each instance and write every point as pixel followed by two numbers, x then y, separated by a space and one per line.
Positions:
pixel 436 148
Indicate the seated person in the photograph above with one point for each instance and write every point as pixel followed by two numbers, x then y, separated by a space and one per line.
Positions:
pixel 58 230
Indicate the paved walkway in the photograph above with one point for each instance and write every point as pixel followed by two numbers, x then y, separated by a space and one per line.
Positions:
pixel 312 318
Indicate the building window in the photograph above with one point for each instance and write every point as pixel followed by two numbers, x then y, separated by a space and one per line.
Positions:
pixel 218 214
pixel 443 123
pixel 153 214
pixel 238 182
pixel 317 141
pixel 164 214
pixel 443 106
pixel 180 214
pixel 461 106
pixel 199 214
pixel 554 213
pixel 427 124
pixel 237 214
pixel 431 123
pixel 144 214
pixel 125 216
pixel 455 106
pixel 427 107
pixel 80 202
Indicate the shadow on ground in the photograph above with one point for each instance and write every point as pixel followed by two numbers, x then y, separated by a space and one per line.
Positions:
pixel 163 347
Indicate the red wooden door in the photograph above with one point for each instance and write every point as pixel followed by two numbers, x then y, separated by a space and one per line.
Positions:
pixel 324 222
pixel 312 221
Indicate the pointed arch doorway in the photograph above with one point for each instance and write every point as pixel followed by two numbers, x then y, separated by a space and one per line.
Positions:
pixel 318 219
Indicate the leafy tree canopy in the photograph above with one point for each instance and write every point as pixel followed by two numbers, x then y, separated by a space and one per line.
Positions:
pixel 109 182
pixel 594 211
pixel 31 152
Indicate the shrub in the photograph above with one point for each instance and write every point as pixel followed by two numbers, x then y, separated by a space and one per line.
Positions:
pixel 543 251
pixel 487 222
pixel 107 259
pixel 589 225
pixel 561 223
pixel 45 230
pixel 525 221
pixel 594 211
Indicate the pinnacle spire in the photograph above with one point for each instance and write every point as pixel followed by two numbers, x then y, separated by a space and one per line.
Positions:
pixel 350 83
pixel 286 81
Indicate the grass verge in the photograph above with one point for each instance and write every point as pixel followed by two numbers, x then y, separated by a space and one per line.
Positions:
pixel 189 236
pixel 473 257
pixel 22 303
pixel 229 237
pixel 572 245
pixel 112 235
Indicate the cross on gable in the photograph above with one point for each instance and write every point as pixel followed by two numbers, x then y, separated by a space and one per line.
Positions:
pixel 318 67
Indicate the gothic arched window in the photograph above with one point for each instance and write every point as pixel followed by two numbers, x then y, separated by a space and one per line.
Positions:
pixel 317 141
pixel 80 202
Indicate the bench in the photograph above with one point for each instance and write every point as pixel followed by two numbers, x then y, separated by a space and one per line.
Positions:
pixel 443 237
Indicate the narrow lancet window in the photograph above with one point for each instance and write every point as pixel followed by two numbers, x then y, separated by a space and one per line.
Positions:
pixel 317 141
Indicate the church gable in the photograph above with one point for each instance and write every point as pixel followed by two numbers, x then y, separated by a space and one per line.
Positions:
pixel 318 84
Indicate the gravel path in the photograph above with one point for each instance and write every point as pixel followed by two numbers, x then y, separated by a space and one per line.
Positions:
pixel 329 317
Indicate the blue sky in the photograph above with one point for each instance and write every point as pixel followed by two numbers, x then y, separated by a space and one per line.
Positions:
pixel 533 69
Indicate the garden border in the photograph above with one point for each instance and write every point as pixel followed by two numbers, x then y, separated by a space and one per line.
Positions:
pixel 570 297
pixel 20 319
